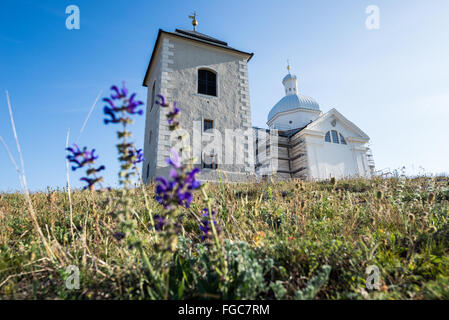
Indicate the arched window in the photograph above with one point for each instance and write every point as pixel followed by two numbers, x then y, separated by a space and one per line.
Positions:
pixel 207 82
pixel 336 137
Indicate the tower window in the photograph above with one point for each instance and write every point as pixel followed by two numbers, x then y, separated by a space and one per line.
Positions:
pixel 207 82
pixel 328 137
pixel 211 163
pixel 153 94
pixel 208 124
pixel 148 170
pixel 342 140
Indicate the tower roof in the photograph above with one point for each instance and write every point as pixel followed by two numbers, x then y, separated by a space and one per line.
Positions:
pixel 200 36
pixel 193 36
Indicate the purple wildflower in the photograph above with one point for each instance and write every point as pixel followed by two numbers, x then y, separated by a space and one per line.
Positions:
pixel 110 112
pixel 162 101
pixel 118 235
pixel 84 157
pixel 205 226
pixel 139 157
pixel 119 94
pixel 160 222
pixel 128 105
pixel 132 105
pixel 80 157
pixel 172 115
pixel 177 190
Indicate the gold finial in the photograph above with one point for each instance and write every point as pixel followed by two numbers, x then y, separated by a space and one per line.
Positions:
pixel 288 66
pixel 194 21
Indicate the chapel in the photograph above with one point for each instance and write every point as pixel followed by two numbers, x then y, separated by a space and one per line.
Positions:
pixel 208 79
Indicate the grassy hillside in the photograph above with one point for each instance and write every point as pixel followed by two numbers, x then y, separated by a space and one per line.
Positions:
pixel 303 240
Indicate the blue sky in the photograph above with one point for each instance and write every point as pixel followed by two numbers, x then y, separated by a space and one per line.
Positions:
pixel 392 82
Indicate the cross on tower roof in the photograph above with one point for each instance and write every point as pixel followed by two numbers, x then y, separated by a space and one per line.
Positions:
pixel 194 21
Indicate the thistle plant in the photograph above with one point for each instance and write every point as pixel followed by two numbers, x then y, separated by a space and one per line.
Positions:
pixel 84 158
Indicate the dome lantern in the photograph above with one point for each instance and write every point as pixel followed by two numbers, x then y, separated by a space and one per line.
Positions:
pixel 290 83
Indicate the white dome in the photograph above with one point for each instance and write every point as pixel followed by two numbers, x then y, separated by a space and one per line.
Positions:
pixel 293 102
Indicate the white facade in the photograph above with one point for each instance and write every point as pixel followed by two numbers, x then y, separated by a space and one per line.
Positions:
pixel 329 159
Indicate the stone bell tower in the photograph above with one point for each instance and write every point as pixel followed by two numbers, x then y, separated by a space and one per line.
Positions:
pixel 209 81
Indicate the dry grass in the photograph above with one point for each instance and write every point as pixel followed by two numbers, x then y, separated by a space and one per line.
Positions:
pixel 402 226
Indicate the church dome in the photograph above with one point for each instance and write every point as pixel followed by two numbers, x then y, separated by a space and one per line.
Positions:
pixel 293 102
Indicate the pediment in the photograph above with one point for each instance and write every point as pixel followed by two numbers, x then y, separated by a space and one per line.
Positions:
pixel 334 119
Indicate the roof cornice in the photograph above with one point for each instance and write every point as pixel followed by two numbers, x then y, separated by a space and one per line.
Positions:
pixel 281 113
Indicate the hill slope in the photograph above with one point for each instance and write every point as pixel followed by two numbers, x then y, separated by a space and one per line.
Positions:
pixel 304 240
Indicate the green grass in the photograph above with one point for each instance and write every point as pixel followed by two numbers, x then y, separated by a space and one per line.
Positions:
pixel 305 240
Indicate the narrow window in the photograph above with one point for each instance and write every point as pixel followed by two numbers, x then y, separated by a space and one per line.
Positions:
pixel 342 140
pixel 153 95
pixel 208 124
pixel 211 163
pixel 328 137
pixel 149 139
pixel 207 82
pixel 148 170
pixel 335 136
